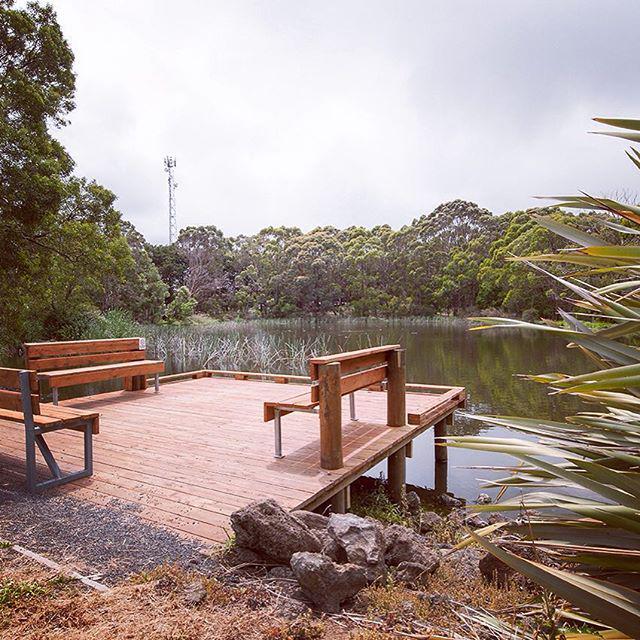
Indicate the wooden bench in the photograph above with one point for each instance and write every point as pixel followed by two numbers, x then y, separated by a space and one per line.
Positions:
pixel 20 402
pixel 63 364
pixel 338 375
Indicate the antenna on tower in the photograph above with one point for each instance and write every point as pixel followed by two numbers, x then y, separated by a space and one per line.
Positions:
pixel 169 166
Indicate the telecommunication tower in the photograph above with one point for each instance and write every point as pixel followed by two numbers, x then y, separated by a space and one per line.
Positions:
pixel 169 166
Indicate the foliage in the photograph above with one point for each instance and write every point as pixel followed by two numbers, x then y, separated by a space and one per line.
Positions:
pixel 379 506
pixel 582 475
pixel 64 251
pixel 115 323
pixel 449 261
pixel 11 591
pixel 182 306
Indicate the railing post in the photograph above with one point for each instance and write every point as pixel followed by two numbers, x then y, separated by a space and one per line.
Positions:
pixel 330 416
pixel 396 389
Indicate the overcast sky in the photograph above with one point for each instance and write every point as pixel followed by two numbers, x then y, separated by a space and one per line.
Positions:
pixel 309 113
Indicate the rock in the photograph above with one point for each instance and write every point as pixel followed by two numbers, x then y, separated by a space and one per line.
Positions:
pixel 194 593
pixel 414 574
pixel 464 562
pixel 362 541
pixel 429 521
pixel 449 501
pixel 414 506
pixel 290 608
pixel 483 498
pixel 241 555
pixel 326 583
pixel 267 528
pixel 404 545
pixel 496 571
pixel 331 548
pixel 280 573
pixel 315 521
pixel 475 521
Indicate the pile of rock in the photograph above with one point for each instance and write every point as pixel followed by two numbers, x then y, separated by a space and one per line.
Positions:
pixel 334 557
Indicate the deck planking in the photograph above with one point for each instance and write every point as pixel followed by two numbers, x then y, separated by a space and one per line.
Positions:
pixel 188 457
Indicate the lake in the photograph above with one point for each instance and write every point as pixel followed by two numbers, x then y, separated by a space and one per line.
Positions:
pixel 439 351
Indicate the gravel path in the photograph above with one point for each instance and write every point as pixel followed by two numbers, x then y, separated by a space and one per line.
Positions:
pixel 106 543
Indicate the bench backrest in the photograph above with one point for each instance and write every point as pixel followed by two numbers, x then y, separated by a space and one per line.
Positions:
pixel 11 390
pixel 72 354
pixel 358 369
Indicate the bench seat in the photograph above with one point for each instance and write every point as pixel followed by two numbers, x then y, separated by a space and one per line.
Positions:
pixel 82 375
pixel 300 402
pixel 51 416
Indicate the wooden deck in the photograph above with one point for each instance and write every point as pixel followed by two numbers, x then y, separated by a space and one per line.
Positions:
pixel 192 454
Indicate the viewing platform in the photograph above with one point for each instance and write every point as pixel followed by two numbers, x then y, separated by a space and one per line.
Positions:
pixel 188 456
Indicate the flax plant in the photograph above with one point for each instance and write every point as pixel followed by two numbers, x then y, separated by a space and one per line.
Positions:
pixel 579 479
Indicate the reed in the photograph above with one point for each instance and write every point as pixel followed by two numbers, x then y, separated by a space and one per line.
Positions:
pixel 233 346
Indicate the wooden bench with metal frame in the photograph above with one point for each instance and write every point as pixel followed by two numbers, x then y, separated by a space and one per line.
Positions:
pixel 338 375
pixel 20 402
pixel 63 364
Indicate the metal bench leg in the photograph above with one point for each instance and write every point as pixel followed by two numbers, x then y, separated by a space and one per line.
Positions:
pixel 88 448
pixel 277 428
pixel 54 394
pixel 352 406
pixel 30 446
pixel 156 382
pixel 48 457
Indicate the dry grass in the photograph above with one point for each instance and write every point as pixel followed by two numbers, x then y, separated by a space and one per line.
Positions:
pixel 401 610
pixel 152 606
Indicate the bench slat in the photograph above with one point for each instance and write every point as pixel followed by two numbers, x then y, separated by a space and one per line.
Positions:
pixel 13 400
pixel 350 355
pixel 68 377
pixel 67 414
pixel 362 379
pixel 38 420
pixel 301 401
pixel 78 347
pixel 10 379
pixel 76 362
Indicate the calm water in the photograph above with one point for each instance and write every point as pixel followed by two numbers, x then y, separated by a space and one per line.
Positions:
pixel 438 352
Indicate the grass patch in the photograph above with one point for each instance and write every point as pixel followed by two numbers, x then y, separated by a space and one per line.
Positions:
pixel 14 591
pixel 377 504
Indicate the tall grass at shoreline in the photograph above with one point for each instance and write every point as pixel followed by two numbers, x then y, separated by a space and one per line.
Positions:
pixel 225 347
pixel 252 345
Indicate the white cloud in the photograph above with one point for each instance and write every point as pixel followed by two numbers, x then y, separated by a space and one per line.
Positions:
pixel 313 113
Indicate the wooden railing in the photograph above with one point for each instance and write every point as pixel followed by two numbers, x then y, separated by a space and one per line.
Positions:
pixel 341 374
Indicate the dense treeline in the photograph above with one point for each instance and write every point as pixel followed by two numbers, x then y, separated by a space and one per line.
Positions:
pixel 452 260
pixel 68 256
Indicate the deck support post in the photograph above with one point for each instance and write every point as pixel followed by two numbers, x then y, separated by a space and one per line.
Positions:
pixel 54 395
pixel 338 502
pixel 440 431
pixel 156 382
pixel 441 454
pixel 330 412
pixel 396 389
pixel 397 475
pixel 408 449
